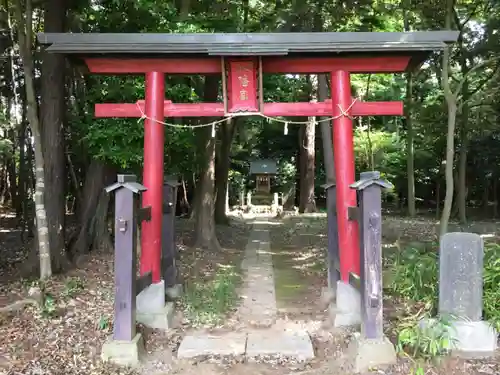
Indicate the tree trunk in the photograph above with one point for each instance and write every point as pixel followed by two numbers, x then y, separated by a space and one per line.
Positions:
pixel 184 206
pixel 322 92
pixel 12 108
pixel 438 196
pixel 451 102
pixel 450 152
pixel 299 167
pixel 486 194
pixel 22 182
pixel 495 196
pixel 223 162
pixel 98 176
pixel 326 132
pixel 205 224
pixel 307 202
pixel 462 182
pixel 462 156
pixel 410 157
pixel 4 181
pixel 25 32
pixel 454 206
pixel 11 169
pixel 52 110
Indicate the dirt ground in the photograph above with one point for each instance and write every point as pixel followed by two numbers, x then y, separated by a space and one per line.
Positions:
pixel 68 338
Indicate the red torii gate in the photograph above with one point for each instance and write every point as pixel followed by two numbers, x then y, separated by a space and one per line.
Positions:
pixel 242 59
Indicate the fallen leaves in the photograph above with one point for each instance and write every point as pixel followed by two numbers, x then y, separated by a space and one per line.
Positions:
pixel 65 334
pixel 68 338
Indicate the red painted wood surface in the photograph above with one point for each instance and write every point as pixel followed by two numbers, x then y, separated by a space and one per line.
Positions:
pixel 153 175
pixel 343 145
pixel 274 65
pixel 242 86
pixel 270 109
pixel 206 65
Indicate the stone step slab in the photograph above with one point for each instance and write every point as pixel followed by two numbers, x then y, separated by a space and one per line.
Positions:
pixel 266 343
pixel 232 344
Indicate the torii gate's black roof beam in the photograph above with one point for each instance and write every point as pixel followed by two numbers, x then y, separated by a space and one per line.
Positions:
pixel 245 44
pixel 418 44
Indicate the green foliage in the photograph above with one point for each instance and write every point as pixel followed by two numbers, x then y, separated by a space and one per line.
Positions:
pixel 6 147
pixel 103 323
pixel 413 274
pixel 72 287
pixel 383 147
pixel 207 303
pixel 426 339
pixel 49 307
pixel 287 173
pixel 491 279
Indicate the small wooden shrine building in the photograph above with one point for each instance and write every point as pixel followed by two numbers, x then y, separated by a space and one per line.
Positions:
pixel 263 170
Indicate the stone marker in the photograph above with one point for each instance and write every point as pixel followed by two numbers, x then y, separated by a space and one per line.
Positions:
pixel 461 294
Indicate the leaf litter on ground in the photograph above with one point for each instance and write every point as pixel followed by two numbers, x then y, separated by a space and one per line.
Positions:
pixel 68 339
pixel 65 335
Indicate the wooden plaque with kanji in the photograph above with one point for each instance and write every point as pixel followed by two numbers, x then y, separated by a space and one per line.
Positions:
pixel 242 86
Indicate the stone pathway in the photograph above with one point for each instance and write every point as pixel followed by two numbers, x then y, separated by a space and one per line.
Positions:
pixel 258 308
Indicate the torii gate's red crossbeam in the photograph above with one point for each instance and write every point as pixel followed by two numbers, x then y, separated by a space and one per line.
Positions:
pixel 242 97
pixel 271 65
pixel 133 110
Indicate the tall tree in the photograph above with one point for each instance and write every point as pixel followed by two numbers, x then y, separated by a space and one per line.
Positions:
pixel 222 165
pixel 25 35
pixel 52 112
pixel 205 220
pixel 307 201
pixel 410 152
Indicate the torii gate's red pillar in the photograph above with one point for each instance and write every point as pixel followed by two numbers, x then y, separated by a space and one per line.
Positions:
pixel 153 174
pixel 343 148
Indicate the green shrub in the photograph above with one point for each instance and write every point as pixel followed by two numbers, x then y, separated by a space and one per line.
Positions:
pixel 72 287
pixel 491 294
pixel 413 274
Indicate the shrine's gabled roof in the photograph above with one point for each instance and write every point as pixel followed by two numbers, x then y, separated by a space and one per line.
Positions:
pixel 263 166
pixel 245 44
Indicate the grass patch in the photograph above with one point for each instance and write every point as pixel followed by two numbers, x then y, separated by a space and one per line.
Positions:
pixel 296 271
pixel 288 283
pixel 411 276
pixel 299 252
pixel 207 303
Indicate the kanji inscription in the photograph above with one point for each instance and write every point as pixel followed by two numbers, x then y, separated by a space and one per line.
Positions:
pixel 242 86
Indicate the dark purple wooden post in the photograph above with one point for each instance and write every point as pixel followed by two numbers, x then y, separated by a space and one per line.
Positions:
pixel 333 237
pixel 369 188
pixel 169 253
pixel 126 190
